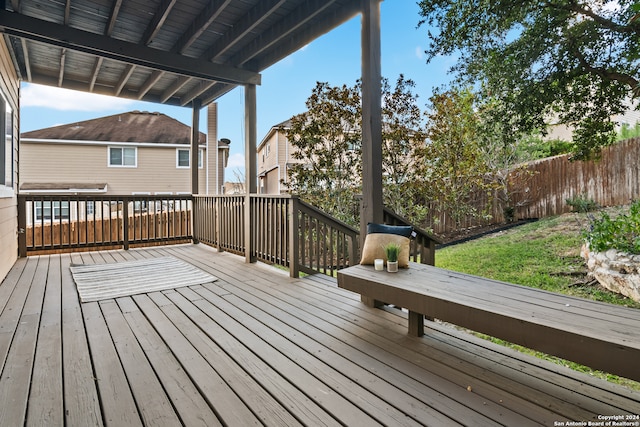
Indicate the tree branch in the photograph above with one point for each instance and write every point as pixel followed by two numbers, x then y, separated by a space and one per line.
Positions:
pixel 626 79
pixel 631 28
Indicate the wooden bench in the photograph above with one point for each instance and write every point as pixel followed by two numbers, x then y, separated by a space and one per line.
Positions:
pixel 602 336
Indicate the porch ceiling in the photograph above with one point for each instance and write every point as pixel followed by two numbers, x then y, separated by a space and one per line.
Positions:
pixel 163 51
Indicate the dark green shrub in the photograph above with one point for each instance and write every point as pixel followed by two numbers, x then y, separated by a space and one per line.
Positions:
pixel 582 204
pixel 621 233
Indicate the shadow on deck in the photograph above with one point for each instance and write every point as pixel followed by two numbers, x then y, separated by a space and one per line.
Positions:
pixel 259 348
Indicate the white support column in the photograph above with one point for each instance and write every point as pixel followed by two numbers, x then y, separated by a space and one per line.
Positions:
pixel 372 201
pixel 251 138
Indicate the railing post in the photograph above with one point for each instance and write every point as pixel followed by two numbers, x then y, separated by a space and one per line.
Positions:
pixel 125 223
pixel 219 205
pixel 354 252
pixel 194 219
pixel 22 226
pixel 249 230
pixel 429 254
pixel 294 248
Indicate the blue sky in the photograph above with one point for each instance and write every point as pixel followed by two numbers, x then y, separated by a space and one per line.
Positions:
pixel 333 58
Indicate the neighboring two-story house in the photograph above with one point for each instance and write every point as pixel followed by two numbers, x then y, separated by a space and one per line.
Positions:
pixel 126 154
pixel 275 155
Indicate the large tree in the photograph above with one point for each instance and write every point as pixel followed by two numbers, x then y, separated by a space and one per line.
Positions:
pixel 328 140
pixel 451 167
pixel 403 137
pixel 576 61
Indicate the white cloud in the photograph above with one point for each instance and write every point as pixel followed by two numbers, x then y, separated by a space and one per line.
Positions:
pixel 55 98
pixel 236 160
pixel 419 52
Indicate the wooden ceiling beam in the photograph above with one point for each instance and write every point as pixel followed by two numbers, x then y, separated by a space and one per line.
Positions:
pixel 113 17
pixel 300 17
pixel 94 73
pixel 246 24
pixel 123 79
pixel 63 58
pixel 215 92
pixel 59 35
pixel 111 23
pixel 27 63
pixel 200 24
pixel 195 92
pixel 175 87
pixel 148 84
pixel 158 21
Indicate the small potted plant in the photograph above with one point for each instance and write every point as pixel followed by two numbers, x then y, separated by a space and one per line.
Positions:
pixel 392 250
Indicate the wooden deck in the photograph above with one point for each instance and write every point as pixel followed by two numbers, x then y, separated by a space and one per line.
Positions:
pixel 259 348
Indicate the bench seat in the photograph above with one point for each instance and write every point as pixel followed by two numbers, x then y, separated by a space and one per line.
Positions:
pixel 602 336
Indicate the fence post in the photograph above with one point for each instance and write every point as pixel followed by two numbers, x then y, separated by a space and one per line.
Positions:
pixel 125 223
pixel 293 231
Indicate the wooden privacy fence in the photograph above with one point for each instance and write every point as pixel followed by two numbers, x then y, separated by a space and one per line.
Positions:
pixel 540 189
pixel 65 222
pixel 612 180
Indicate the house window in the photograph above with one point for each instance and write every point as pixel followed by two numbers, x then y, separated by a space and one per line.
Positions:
pixel 6 143
pixel 183 158
pixel 123 156
pixel 51 211
pixel 90 207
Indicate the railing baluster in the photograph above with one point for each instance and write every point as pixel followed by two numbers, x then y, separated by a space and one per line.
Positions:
pixel 286 230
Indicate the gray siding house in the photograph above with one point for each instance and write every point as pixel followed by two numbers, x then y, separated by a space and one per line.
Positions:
pixel 131 153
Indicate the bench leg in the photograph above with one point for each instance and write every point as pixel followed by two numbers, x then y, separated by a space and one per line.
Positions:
pixel 416 324
pixel 370 302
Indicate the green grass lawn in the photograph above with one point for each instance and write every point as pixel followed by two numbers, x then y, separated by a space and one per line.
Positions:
pixel 543 254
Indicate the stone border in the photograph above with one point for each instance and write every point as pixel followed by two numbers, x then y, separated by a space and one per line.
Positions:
pixel 615 270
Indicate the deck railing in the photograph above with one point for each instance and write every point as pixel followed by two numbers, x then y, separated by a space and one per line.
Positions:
pixel 423 244
pixel 68 222
pixel 285 231
pixel 282 229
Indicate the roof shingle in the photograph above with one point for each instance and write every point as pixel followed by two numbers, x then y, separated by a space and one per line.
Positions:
pixel 132 126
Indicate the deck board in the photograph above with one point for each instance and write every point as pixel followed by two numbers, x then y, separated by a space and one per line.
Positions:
pixel 153 404
pixel 191 406
pixel 116 397
pixel 46 394
pixel 259 348
pixel 215 388
pixel 81 403
pixel 496 388
pixel 18 368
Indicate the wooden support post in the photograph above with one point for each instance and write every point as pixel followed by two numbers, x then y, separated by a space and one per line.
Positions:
pixel 372 202
pixel 416 324
pixel 251 138
pixel 195 145
pixel 195 152
pixel 371 302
